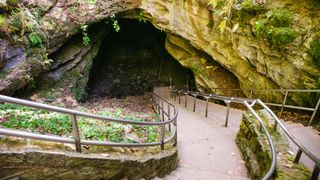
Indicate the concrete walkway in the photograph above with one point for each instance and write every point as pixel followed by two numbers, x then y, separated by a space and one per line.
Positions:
pixel 207 150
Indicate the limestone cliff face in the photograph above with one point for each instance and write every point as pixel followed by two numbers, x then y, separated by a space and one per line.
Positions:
pixel 252 60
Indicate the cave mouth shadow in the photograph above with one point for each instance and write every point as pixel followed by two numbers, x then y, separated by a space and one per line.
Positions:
pixel 131 61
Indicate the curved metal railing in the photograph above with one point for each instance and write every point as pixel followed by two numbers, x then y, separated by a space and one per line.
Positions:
pixel 250 103
pixel 167 111
pixel 284 104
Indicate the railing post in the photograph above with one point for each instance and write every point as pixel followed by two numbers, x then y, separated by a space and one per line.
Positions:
pixel 298 155
pixel 176 129
pixel 75 133
pixel 158 104
pixel 251 91
pixel 283 103
pixel 179 97
pixel 227 115
pixel 169 115
pixel 174 95
pixel 162 132
pixel 186 99
pixel 207 103
pixel 162 111
pixel 314 112
pixel 315 172
pixel 194 102
pixel 275 125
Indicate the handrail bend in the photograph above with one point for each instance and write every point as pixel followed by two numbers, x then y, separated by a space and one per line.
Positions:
pixel 249 103
pixel 168 117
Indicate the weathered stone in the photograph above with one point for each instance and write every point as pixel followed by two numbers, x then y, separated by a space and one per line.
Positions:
pixel 255 150
pixel 38 163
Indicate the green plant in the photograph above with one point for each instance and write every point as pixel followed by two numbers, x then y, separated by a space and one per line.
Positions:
pixel 35 40
pixel 29 119
pixel 274 26
pixel 141 18
pixel 246 10
pixel 115 23
pixel 85 37
pixel 315 51
pixel 116 26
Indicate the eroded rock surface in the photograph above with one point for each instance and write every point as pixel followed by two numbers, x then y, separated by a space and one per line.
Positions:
pixel 253 61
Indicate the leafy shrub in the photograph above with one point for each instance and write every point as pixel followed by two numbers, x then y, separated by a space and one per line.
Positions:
pixel 33 120
pixel 45 122
pixel 35 40
pixel 315 50
pixel 274 26
pixel 279 17
pixel 85 37
pixel 246 10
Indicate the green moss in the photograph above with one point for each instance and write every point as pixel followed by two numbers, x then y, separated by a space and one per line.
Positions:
pixel 274 26
pixel 247 10
pixel 315 51
pixel 79 90
pixel 35 40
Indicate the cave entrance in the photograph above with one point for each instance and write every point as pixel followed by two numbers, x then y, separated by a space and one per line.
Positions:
pixel 130 61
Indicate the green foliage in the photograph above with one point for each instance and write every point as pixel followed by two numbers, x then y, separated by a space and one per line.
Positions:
pixel 41 121
pixel 115 23
pixel 85 37
pixel 141 18
pixel 116 26
pixel 246 10
pixel 315 51
pixel 275 27
pixel 45 122
pixel 79 90
pixel 279 17
pixel 2 20
pixel 35 40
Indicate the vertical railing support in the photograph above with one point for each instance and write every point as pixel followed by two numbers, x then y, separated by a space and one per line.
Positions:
pixel 283 103
pixel 158 104
pixel 75 133
pixel 162 132
pixel 194 101
pixel 186 99
pixel 227 115
pixel 169 115
pixel 315 173
pixel 179 97
pixel 176 128
pixel 298 155
pixel 207 103
pixel 314 112
pixel 251 91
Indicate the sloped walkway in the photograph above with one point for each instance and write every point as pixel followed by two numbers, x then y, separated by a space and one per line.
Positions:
pixel 207 150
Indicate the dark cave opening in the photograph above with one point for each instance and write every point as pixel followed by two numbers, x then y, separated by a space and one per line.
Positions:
pixel 130 61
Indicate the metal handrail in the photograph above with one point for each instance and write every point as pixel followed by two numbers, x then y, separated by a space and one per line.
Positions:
pixel 249 103
pixel 283 104
pixel 165 113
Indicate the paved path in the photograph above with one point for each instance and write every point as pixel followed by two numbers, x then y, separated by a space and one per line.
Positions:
pixel 207 149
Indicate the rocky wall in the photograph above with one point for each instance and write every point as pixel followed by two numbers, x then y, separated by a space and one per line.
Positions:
pixel 25 159
pixel 256 152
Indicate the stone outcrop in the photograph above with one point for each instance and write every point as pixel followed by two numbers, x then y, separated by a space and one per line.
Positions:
pixel 256 152
pixel 253 61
